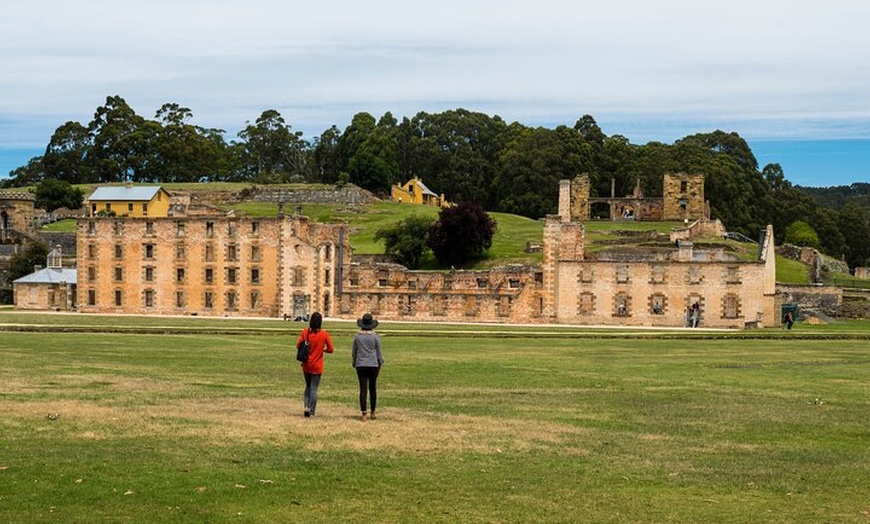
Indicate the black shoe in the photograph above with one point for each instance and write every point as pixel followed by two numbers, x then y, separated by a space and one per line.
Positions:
pixel 306 414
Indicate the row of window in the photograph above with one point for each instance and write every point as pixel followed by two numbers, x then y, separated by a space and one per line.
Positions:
pixel 658 275
pixel 149 251
pixel 130 207
pixel 482 283
pixel 180 226
pixel 439 305
pixel 149 274
pixel 231 299
pixel 656 304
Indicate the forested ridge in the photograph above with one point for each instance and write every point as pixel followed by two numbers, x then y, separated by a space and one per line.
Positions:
pixel 468 156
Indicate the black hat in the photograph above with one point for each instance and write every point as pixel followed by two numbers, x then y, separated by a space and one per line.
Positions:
pixel 367 322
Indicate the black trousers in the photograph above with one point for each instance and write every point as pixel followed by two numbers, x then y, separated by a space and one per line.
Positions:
pixel 368 383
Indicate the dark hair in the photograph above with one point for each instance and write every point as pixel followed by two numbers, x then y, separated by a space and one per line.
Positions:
pixel 315 322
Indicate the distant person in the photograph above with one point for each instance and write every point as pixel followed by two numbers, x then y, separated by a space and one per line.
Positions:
pixel 367 360
pixel 318 343
pixel 696 314
pixel 789 320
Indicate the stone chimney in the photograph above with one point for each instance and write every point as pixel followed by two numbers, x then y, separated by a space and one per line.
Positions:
pixel 684 251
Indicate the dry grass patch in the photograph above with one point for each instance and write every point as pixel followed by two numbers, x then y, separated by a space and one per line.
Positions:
pixel 228 421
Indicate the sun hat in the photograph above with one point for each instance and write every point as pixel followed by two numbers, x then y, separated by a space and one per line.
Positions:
pixel 367 322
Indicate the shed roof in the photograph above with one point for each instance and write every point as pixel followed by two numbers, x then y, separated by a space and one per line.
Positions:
pixel 49 276
pixel 125 193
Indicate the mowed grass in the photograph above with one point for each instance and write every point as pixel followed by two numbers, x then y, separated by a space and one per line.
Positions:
pixel 473 427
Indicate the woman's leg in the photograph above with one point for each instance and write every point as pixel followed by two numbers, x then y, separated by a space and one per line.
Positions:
pixel 363 379
pixel 312 392
pixel 306 395
pixel 373 388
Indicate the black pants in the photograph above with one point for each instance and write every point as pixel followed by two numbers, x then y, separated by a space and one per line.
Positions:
pixel 368 382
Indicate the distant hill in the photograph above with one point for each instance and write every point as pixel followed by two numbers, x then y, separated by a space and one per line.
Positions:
pixel 838 196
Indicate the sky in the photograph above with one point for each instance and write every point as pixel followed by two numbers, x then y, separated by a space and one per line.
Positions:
pixel 790 77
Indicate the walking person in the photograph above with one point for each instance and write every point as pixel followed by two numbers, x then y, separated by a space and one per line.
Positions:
pixel 318 344
pixel 367 359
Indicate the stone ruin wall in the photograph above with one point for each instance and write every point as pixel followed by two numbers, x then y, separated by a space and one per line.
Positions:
pixel 673 193
pixel 730 295
pixel 826 299
pixel 19 209
pixel 348 194
pixel 510 294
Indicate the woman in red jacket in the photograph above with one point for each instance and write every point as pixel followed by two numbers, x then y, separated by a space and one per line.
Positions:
pixel 318 343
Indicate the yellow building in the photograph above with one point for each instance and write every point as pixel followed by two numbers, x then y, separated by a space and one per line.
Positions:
pixel 129 201
pixel 414 191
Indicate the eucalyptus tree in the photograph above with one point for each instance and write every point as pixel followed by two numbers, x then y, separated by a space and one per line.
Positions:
pixel 458 152
pixel 272 151
pixel 531 165
pixel 326 158
pixel 188 153
pixel 68 155
pixel 113 154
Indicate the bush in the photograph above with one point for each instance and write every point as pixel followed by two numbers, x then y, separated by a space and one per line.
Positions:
pixel 406 240
pixel 461 234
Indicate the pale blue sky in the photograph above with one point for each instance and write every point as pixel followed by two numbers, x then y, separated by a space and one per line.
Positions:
pixel 789 76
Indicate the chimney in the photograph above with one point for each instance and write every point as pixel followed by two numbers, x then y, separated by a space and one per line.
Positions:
pixel 684 251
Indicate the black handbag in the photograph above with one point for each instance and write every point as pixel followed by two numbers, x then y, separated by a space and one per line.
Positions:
pixel 302 350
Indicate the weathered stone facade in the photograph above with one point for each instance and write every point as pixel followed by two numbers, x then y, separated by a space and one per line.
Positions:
pixel 207 266
pixel 682 199
pixel 17 213
pixel 510 294
pixel 289 266
pixel 825 299
pixel 658 289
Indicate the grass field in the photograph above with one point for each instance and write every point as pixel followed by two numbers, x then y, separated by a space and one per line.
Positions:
pixel 478 424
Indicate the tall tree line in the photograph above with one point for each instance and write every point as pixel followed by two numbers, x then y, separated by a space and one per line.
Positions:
pixel 468 156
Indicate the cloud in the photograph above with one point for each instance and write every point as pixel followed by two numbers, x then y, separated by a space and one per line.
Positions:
pixel 648 70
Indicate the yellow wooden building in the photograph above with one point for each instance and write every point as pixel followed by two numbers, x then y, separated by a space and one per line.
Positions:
pixel 414 191
pixel 129 201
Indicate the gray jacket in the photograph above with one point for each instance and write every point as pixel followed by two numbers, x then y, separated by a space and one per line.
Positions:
pixel 367 350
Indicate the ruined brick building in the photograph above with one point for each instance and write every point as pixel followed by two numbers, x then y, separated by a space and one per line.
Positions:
pixel 289 266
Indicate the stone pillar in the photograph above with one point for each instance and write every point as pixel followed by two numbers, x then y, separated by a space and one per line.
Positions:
pixel 580 198
pixel 565 200
pixel 549 266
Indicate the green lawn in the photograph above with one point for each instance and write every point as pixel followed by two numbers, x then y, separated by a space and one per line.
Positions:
pixel 578 426
pixel 789 271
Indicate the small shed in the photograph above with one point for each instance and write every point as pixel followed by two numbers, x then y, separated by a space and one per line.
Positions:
pixel 50 288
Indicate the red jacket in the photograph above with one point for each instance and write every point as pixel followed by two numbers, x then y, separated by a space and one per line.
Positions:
pixel 317 343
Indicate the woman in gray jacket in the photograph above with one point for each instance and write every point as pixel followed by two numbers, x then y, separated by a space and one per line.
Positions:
pixel 367 359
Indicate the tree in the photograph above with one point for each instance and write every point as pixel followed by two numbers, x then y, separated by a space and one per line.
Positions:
pixel 67 155
pixel 531 166
pixel 406 240
pixel 775 177
pixel 25 175
pixel 271 148
pixel 53 194
pixel 854 220
pixel 327 161
pixel 116 153
pixel 188 153
pixel 800 233
pixel 22 263
pixel 461 234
